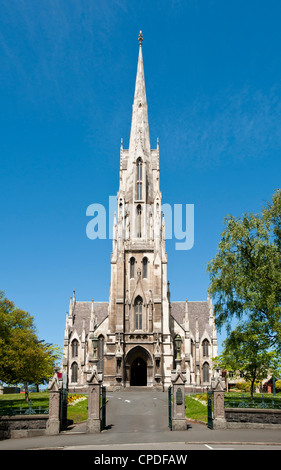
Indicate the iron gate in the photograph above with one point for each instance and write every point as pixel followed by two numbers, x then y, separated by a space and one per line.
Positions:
pixel 63 408
pixel 103 407
pixel 210 396
pixel 170 407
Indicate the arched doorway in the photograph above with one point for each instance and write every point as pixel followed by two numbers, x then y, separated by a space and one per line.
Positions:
pixel 138 375
pixel 139 367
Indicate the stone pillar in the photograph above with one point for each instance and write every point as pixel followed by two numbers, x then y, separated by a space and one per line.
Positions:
pixel 178 379
pixel 55 388
pixel 219 421
pixel 94 412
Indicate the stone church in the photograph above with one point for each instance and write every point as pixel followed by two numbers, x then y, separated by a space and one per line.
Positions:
pixel 133 335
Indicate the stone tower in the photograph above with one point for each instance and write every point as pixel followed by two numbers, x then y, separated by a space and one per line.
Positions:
pixel 138 303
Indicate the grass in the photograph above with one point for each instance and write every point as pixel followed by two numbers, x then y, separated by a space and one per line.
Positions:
pixel 18 400
pixel 195 409
pixel 79 411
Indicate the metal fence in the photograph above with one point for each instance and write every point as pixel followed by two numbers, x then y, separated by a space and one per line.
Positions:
pixel 265 402
pixel 103 408
pixel 12 410
pixel 210 401
pixel 170 397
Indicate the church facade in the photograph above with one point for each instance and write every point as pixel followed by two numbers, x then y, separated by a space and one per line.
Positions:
pixel 134 333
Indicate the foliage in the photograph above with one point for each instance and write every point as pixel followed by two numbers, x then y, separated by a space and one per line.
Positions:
pixel 278 386
pixel 247 350
pixel 245 275
pixel 23 357
pixel 243 386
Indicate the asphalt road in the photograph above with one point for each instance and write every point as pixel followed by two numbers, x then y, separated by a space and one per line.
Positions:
pixel 138 420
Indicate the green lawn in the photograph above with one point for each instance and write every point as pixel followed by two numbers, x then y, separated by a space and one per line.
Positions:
pixel 17 400
pixel 77 412
pixel 195 409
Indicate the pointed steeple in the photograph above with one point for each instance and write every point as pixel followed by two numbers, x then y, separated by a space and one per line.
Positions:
pixel 139 138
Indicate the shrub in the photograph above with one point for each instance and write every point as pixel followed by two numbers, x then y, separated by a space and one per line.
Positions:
pixel 244 386
pixel 278 386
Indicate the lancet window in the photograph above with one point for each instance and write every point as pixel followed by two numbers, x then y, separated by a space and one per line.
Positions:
pixel 74 347
pixel 138 313
pixel 74 372
pixel 144 267
pixel 132 267
pixel 139 180
pixel 205 345
pixel 139 221
pixel 206 372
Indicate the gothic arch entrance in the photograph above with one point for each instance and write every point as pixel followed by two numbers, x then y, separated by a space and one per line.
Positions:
pixel 138 375
pixel 138 367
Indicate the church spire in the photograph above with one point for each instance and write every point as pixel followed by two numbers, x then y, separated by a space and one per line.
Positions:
pixel 139 136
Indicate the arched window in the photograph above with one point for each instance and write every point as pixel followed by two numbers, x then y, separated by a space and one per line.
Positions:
pixel 144 268
pixel 74 347
pixel 138 313
pixel 74 372
pixel 139 221
pixel 132 267
pixel 205 345
pixel 100 353
pixel 205 372
pixel 139 180
pixel 192 349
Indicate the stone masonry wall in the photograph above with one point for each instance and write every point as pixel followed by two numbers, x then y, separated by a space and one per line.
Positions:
pixel 253 415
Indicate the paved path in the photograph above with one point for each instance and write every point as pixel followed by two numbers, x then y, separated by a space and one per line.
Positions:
pixel 138 420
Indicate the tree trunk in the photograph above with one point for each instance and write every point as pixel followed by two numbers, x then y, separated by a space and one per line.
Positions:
pixel 26 392
pixel 254 376
pixel 252 388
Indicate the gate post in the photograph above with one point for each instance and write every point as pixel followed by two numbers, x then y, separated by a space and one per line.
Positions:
pixel 219 421
pixel 94 410
pixel 55 389
pixel 178 379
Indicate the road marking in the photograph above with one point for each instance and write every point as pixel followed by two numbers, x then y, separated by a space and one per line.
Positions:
pixel 218 448
pixel 209 447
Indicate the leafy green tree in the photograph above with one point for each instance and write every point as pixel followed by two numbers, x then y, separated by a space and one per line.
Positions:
pixel 23 358
pixel 245 275
pixel 247 350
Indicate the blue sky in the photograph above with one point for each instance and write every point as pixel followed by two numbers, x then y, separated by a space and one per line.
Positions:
pixel 68 68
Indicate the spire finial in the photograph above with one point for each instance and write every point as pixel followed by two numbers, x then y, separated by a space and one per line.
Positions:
pixel 140 38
